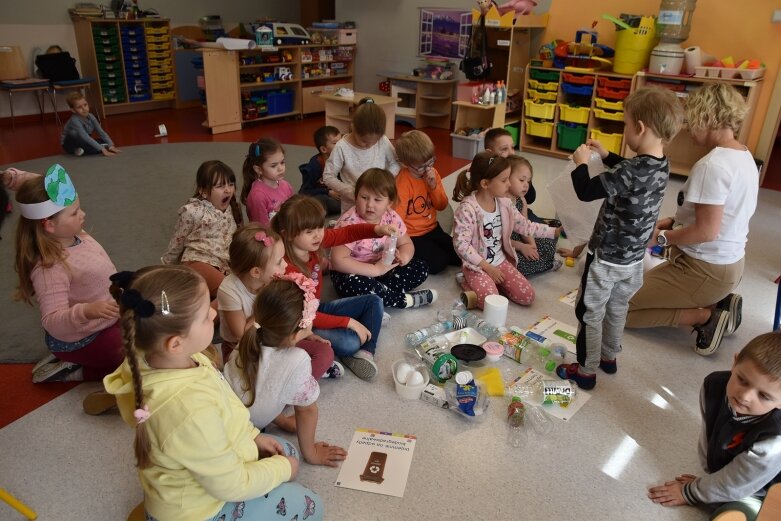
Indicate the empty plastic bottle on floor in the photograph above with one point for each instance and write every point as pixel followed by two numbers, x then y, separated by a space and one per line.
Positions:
pixel 543 358
pixel 457 318
pixel 516 413
pixel 539 420
pixel 561 392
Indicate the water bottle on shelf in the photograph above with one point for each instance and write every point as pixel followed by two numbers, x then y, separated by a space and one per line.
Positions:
pixel 516 413
pixel 390 250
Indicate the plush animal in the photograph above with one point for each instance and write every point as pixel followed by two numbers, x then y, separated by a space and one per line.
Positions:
pixel 485 5
pixel 520 7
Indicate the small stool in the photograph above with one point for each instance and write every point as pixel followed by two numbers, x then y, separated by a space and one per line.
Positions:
pixel 138 513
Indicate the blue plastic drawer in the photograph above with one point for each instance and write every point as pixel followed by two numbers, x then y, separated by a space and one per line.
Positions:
pixel 578 90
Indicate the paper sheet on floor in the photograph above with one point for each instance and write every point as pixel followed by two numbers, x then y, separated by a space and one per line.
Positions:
pixel 563 413
pixel 570 297
pixel 550 331
pixel 377 462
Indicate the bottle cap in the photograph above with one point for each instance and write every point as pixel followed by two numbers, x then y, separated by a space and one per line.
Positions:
pixel 464 377
pixel 516 399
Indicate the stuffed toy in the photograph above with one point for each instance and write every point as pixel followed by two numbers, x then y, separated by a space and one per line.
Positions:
pixel 520 7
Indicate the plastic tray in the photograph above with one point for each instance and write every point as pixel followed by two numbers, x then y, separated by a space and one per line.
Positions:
pixel 579 79
pixel 540 75
pixel 570 137
pixel 539 110
pixel 538 128
pixel 158 46
pixel 603 81
pixel 605 104
pixel 540 85
pixel 612 142
pixel 573 114
pixel 606 92
pixel 604 114
pixel 155 30
pixel 539 95
pixel 578 90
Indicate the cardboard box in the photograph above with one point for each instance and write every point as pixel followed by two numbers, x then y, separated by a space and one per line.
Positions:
pixel 435 396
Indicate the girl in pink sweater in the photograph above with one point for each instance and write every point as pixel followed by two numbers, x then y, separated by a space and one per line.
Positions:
pixel 67 272
pixel 484 222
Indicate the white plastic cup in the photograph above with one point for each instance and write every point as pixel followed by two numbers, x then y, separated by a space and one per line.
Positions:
pixel 495 310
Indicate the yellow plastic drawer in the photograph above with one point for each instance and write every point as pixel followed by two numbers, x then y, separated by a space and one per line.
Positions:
pixel 604 114
pixel 539 110
pixel 612 142
pixel 541 95
pixel 155 30
pixel 544 85
pixel 158 46
pixel 158 85
pixel 573 114
pixel 538 128
pixel 611 105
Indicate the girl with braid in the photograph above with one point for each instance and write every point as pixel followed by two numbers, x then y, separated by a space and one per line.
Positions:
pixel 198 455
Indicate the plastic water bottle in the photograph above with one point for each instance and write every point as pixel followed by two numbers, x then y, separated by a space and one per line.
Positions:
pixel 539 420
pixel 543 358
pixel 434 352
pixel 516 417
pixel 561 392
pixel 390 250
pixel 417 337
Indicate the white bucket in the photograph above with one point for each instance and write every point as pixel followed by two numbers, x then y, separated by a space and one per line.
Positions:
pixel 666 58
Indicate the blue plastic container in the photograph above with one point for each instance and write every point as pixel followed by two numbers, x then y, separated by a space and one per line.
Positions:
pixel 279 102
pixel 577 90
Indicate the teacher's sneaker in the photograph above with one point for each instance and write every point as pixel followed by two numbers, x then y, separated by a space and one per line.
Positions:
pixel 734 304
pixel 709 334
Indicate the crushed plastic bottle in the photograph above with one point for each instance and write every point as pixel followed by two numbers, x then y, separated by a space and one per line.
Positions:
pixel 516 420
pixel 390 250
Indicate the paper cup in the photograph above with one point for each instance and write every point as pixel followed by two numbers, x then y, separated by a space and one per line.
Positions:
pixel 495 310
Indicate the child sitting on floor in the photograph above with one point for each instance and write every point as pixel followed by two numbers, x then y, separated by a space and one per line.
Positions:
pixel 268 374
pixel 265 187
pixel 484 222
pixel 352 325
pixel 740 441
pixel 359 268
pixel 206 224
pixel 193 435
pixel 77 133
pixel 326 138
pixel 421 196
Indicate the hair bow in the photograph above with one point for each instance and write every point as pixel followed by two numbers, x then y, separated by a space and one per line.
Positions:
pixel 311 303
pixel 265 239
pixel 142 415
pixel 132 299
pixel 123 279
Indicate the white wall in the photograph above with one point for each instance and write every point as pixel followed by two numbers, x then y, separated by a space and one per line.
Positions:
pixel 35 24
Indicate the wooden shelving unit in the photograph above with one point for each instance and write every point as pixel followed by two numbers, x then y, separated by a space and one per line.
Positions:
pixel 427 102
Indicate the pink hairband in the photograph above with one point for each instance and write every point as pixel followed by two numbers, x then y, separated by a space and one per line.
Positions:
pixel 265 239
pixel 311 303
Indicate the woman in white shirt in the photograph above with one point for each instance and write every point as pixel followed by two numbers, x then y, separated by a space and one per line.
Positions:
pixel 706 239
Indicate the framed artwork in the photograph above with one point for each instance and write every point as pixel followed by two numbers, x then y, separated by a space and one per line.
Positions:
pixel 444 33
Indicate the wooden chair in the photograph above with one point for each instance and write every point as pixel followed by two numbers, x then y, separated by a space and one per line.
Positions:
pixel 14 79
pixel 60 69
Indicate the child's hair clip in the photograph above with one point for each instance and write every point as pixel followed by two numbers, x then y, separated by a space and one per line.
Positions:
pixel 257 150
pixel 367 99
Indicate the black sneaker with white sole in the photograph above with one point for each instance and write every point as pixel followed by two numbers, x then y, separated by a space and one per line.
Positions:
pixel 709 334
pixel 422 297
pixel 734 304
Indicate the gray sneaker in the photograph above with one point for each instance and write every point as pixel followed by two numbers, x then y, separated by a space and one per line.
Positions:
pixel 709 334
pixel 363 366
pixel 734 304
pixel 56 371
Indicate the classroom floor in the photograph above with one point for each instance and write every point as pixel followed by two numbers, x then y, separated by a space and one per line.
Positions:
pixel 640 426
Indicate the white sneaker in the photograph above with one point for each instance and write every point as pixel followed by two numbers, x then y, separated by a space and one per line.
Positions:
pixel 385 318
pixel 54 372
pixel 422 297
pixel 48 359
pixel 335 371
pixel 78 151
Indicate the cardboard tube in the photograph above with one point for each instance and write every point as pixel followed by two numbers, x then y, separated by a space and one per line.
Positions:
pixel 236 44
pixel 692 58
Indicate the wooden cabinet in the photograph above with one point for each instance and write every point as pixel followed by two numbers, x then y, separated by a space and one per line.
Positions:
pixel 269 83
pixel 562 109
pixel 683 152
pixel 324 70
pixel 132 61
pixel 427 103
pixel 311 100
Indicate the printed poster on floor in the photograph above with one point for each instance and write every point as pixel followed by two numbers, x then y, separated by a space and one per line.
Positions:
pixel 377 462
pixel 548 331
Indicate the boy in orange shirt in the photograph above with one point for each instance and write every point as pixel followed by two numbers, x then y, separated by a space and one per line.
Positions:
pixel 421 195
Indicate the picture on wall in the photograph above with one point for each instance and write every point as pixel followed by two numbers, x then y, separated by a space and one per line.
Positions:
pixel 444 33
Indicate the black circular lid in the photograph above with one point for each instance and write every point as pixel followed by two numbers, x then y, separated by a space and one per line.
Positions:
pixel 468 352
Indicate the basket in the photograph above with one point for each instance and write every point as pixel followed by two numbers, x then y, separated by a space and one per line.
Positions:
pixel 538 128
pixel 539 110
pixel 611 142
pixel 573 114
pixel 633 47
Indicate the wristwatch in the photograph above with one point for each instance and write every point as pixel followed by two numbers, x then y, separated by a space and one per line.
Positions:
pixel 661 239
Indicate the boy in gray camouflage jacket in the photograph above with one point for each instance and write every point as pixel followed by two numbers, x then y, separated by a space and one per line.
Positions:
pixel 633 190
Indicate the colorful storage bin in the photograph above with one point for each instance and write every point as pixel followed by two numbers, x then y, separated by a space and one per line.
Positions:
pixel 578 79
pixel 573 114
pixel 467 147
pixel 538 128
pixel 570 136
pixel 538 95
pixel 606 92
pixel 577 90
pixel 613 83
pixel 611 142
pixel 543 75
pixel 539 110
pixel 610 105
pixel 540 85
pixel 604 114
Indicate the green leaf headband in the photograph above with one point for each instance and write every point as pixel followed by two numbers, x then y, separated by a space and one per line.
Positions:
pixel 61 193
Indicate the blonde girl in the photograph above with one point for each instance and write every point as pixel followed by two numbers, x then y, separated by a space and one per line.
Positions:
pixel 352 325
pixel 484 222
pixel 257 256
pixel 535 255
pixel 365 147
pixel 206 224
pixel 265 187
pixel 194 437
pixel 67 272
pixel 270 373
pixel 359 267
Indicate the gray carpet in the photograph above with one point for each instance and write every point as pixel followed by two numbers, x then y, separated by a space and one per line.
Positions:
pixel 131 201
